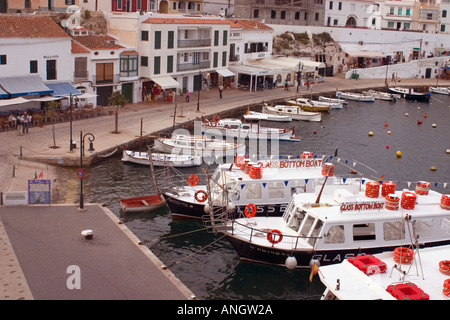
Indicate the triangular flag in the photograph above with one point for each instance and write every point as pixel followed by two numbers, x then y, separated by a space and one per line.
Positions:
pixel 306 181
pixel 314 270
pixel 35 175
pixel 264 184
pixel 286 183
pixel 344 179
pixel 242 186
pixel 445 185
pixel 41 174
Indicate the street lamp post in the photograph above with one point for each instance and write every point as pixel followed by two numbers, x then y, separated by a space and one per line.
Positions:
pixel 91 139
pixel 70 121
pixel 199 89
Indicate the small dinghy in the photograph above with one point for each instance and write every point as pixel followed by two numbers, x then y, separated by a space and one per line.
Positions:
pixel 142 204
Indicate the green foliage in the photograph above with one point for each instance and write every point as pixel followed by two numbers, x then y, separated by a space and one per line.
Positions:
pixel 117 99
pixel 302 37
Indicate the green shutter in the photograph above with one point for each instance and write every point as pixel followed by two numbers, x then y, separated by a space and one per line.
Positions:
pixel 216 58
pixel 157 65
pixel 225 37
pixel 170 40
pixel 224 59
pixel 169 64
pixel 216 37
pixel 157 39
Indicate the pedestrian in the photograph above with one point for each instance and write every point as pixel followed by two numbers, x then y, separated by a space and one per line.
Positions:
pixel 307 85
pixel 285 85
pixel 220 90
pixel 25 122
pixel 12 120
pixel 19 125
pixel 187 96
pixel 393 76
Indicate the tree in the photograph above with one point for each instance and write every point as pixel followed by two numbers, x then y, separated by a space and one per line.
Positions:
pixel 117 99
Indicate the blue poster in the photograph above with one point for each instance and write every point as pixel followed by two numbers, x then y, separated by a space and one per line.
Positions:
pixel 38 191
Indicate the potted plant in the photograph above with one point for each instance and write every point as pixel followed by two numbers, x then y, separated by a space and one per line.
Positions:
pixel 40 118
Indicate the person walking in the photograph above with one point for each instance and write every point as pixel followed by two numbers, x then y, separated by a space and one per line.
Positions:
pixel 220 90
pixel 19 125
pixel 25 120
pixel 285 85
pixel 187 96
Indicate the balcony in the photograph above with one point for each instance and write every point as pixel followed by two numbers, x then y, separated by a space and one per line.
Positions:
pixel 189 43
pixel 193 66
pixel 81 75
pixel 105 79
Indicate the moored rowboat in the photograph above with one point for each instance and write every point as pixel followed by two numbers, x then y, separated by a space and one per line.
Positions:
pixel 142 204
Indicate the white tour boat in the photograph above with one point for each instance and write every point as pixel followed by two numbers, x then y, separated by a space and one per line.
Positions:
pixel 378 95
pixel 440 90
pixel 404 273
pixel 198 146
pixel 253 115
pixel 311 105
pixel 355 96
pixel 162 159
pixel 294 111
pixel 342 223
pixel 268 184
pixel 235 128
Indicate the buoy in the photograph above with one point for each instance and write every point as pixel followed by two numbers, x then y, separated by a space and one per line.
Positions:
pixel 434 125
pixel 425 115
pixel 387 147
pixel 314 131
pixel 370 133
pixel 418 108
pixel 291 262
pixel 406 114
pixel 433 168
pixel 385 124
pixel 87 234
pixel 388 132
pixel 447 151
pixel 399 154
pixel 419 121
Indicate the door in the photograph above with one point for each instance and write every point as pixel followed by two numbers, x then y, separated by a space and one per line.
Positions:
pixel 103 93
pixel 2 6
pixel 127 91
pixel 428 73
pixel 197 82
pixel 51 69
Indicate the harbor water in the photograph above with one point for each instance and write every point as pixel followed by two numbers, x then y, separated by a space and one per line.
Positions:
pixel 208 265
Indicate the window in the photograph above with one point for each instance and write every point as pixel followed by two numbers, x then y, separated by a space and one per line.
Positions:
pixel 2 59
pixel 128 66
pixel 408 12
pixel 104 72
pixel 445 226
pixel 424 227
pixel 256 14
pixel 400 11
pixel 170 39
pixel 283 15
pixel 157 39
pixel 253 191
pixel 225 37
pixel 364 232
pixel 273 14
pixel 391 11
pixel 275 190
pixel 335 235
pixel 331 5
pixel 297 15
pixel 138 5
pixel 144 35
pixel 393 230
pixel 340 6
pixel 306 227
pixel 169 64
pixel 119 4
pixel 224 59
pixel 444 13
pixel 51 69
pixel 317 16
pixel 34 66
pixel 216 37
pixel 216 60
pixel 81 68
pixel 157 67
pixel 144 61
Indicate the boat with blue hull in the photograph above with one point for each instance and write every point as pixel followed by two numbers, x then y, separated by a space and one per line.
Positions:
pixel 341 224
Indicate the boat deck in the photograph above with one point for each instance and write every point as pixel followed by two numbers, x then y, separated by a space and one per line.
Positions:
pixel 47 246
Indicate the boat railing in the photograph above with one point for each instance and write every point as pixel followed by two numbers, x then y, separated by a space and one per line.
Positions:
pixel 254 232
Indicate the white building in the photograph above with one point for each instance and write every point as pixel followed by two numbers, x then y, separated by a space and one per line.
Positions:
pixel 349 13
pixel 444 15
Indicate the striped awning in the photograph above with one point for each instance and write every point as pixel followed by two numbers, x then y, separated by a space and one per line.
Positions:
pixel 24 86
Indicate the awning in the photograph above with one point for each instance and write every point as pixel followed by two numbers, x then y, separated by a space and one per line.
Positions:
pixel 3 93
pixel 253 71
pixel 366 54
pixel 24 86
pixel 9 102
pixel 63 89
pixel 166 82
pixel 45 99
pixel 225 73
pixel 87 96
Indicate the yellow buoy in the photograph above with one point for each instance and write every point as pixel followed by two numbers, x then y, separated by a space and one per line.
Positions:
pixel 399 154
pixel 370 133
pixel 433 168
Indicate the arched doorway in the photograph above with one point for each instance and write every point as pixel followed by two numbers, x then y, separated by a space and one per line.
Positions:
pixel 164 7
pixel 351 22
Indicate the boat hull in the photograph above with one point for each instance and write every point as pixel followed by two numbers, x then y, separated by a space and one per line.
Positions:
pixel 301 115
pixel 161 160
pixel 142 204
pixel 270 254
pixel 410 95
pixel 267 117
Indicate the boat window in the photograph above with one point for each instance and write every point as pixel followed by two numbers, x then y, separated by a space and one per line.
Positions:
pixel 445 226
pixel 288 211
pixel 253 191
pixel 315 232
pixel 234 126
pixel 393 230
pixel 296 219
pixel 307 224
pixel 275 190
pixel 364 232
pixel 423 227
pixel 335 235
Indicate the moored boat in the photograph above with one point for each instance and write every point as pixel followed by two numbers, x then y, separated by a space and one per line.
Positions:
pixel 250 129
pixel 355 96
pixel 162 159
pixel 440 90
pixel 410 94
pixel 327 99
pixel 253 115
pixel 293 111
pixel 311 105
pixel 378 95
pixel 341 224
pixel 142 204
pixel 422 274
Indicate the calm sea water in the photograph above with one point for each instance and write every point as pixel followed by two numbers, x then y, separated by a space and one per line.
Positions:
pixel 209 266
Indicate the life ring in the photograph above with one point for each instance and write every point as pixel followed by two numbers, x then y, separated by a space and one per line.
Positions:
pixel 216 118
pixel 203 198
pixel 403 255
pixel 250 210
pixel 446 289
pixel 213 123
pixel 272 239
pixel 444 267
pixel 192 180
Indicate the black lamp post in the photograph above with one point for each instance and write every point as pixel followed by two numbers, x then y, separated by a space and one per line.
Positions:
pixel 70 121
pixel 199 89
pixel 91 139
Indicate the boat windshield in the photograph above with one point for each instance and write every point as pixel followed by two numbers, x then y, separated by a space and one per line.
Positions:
pixel 311 228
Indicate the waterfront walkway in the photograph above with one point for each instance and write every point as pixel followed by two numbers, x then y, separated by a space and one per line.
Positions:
pixel 42 241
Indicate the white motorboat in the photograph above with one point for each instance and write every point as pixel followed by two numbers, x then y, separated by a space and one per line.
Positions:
pixel 326 99
pixel 410 94
pixel 253 115
pixel 342 223
pixel 235 128
pixel 162 159
pixel 440 90
pixel 267 183
pixel 199 146
pixel 355 96
pixel 419 274
pixel 311 105
pixel 378 95
pixel 294 111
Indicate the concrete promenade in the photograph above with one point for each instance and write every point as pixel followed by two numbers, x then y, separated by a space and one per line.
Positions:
pixel 43 240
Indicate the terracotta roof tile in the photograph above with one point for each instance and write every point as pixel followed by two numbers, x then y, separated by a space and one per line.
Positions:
pixel 98 42
pixel 248 24
pixel 15 26
pixel 78 48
